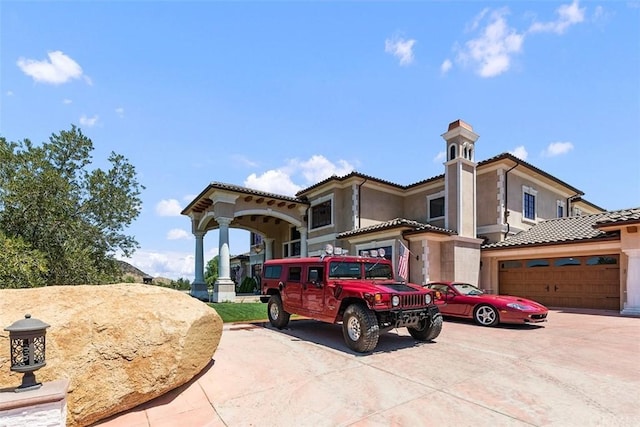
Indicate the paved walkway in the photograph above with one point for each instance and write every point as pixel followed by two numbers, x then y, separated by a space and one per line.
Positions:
pixel 578 369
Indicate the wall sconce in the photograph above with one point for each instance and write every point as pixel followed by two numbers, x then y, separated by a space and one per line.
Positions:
pixel 27 348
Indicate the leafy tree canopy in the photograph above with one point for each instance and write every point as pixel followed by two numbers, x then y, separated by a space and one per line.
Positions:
pixel 75 217
pixel 211 271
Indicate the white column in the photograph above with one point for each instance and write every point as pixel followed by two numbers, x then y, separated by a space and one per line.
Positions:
pixel 199 287
pixel 303 241
pixel 632 305
pixel 224 289
pixel 199 257
pixel 268 248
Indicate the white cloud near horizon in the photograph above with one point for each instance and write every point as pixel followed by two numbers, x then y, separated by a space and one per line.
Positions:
pixel 311 171
pixel 88 121
pixel 171 265
pixel 401 49
pixel 178 234
pixel 120 112
pixel 568 15
pixel 67 101
pixel 440 157
pixel 168 207
pixel 520 152
pixel 58 69
pixel 557 149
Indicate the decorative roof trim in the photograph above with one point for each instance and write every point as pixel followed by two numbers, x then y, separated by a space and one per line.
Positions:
pixel 396 223
pixel 238 189
pixel 565 230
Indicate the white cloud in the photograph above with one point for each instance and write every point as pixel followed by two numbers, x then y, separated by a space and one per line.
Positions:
pixel 67 101
pixel 557 149
pixel 311 171
pixel 58 69
pixel 172 265
pixel 272 181
pixel 440 157
pixel 568 15
pixel 178 234
pixel 490 53
pixel 400 48
pixel 319 167
pixel 170 207
pixel 88 121
pixel 120 112
pixel 446 66
pixel 239 158
pixel 520 152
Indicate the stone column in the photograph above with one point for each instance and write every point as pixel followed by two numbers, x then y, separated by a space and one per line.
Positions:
pixel 199 287
pixel 224 289
pixel 268 249
pixel 303 241
pixel 632 305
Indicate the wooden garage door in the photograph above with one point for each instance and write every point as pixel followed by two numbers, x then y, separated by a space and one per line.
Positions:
pixel 579 282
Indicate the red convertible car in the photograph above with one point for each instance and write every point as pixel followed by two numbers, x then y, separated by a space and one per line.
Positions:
pixel 464 300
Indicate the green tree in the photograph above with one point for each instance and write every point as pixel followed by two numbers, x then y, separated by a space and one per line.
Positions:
pixel 20 265
pixel 74 216
pixel 181 284
pixel 211 271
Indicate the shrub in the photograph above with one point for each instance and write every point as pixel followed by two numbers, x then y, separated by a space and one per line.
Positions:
pixel 247 286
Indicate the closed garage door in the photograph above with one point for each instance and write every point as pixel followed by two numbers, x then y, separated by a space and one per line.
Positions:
pixel 578 282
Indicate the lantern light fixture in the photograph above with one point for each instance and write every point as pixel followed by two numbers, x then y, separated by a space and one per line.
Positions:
pixel 27 349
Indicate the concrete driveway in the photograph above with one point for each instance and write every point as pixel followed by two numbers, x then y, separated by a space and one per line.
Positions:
pixel 581 368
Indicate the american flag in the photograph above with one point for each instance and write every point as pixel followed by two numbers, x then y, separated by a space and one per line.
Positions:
pixel 403 262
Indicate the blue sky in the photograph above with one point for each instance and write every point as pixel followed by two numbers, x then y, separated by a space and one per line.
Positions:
pixel 279 95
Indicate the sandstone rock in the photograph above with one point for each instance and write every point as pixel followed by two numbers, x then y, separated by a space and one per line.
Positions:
pixel 119 345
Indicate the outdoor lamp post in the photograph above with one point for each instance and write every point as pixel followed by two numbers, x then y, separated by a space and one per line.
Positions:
pixel 27 347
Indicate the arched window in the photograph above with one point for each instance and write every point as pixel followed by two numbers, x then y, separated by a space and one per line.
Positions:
pixel 452 152
pixel 470 153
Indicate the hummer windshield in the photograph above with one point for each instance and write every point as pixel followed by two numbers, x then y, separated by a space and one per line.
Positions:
pixel 358 270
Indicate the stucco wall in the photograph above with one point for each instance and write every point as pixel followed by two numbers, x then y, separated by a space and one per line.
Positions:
pixel 546 202
pixel 379 206
pixel 467 262
pixel 451 197
pixel 415 205
pixel 467 210
pixel 487 198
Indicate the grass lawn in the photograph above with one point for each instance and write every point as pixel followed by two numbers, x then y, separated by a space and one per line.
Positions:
pixel 240 312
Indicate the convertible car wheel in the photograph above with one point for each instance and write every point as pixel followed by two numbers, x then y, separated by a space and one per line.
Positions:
pixel 485 315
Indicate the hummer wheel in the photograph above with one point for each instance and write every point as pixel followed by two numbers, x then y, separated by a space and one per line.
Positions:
pixel 428 329
pixel 360 328
pixel 277 316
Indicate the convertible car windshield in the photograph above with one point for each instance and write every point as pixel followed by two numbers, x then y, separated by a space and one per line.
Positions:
pixel 467 289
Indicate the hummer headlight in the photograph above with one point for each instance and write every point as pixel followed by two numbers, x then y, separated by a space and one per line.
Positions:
pixel 395 300
pixel 427 299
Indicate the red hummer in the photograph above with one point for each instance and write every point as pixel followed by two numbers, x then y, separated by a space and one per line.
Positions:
pixel 358 291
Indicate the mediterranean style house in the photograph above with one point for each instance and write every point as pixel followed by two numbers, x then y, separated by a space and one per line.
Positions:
pixel 501 224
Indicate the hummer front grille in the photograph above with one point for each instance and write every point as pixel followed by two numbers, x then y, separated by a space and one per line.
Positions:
pixel 412 300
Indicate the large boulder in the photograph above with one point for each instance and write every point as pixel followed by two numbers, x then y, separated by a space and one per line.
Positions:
pixel 119 345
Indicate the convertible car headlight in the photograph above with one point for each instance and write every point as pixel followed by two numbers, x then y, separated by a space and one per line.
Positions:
pixel 395 300
pixel 427 299
pixel 518 306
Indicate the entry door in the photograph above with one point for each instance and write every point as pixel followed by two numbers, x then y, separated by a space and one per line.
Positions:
pixel 292 289
pixel 313 289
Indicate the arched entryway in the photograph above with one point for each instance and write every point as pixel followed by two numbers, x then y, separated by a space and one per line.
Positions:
pixel 221 207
